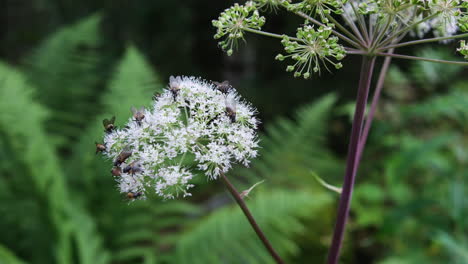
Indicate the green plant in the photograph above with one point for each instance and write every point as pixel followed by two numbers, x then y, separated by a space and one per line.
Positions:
pixel 58 202
pixel 413 198
pixel 376 28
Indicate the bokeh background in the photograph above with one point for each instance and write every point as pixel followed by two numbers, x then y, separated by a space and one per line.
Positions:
pixel 66 65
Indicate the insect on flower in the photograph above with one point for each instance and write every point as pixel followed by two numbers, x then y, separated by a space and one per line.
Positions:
pixel 164 154
pixel 231 107
pixel 133 195
pixel 138 115
pixel 224 87
pixel 116 171
pixel 123 156
pixel 174 86
pixel 133 168
pixel 109 124
pixel 100 147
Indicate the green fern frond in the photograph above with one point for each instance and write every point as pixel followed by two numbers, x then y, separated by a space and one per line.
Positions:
pixel 65 70
pixel 452 105
pixel 430 74
pixel 133 83
pixel 21 127
pixel 139 223
pixel 226 237
pixel 290 149
pixel 457 249
pixel 6 256
pixel 143 234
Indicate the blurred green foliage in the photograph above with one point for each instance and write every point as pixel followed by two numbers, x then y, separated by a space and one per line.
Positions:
pixel 58 201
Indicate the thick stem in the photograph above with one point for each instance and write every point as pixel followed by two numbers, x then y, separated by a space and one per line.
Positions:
pixel 373 108
pixel 350 174
pixel 251 219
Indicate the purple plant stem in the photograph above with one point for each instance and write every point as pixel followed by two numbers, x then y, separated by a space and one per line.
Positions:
pixel 373 108
pixel 367 69
pixel 251 219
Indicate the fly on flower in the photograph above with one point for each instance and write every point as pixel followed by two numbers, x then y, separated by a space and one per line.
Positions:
pixel 116 171
pixel 231 107
pixel 109 124
pixel 133 167
pixel 138 114
pixel 123 156
pixel 174 86
pixel 223 87
pixel 100 147
pixel 134 195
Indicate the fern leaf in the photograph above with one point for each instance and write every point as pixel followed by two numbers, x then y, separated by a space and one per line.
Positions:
pixel 65 70
pixel 430 74
pixel 30 147
pixel 451 105
pixel 6 256
pixel 226 237
pixel 133 83
pixel 293 148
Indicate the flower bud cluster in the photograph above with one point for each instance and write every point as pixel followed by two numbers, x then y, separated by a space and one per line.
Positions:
pixel 232 23
pixel 463 49
pixel 193 127
pixel 316 47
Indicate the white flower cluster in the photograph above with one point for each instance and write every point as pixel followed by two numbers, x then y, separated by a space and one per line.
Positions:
pixel 194 126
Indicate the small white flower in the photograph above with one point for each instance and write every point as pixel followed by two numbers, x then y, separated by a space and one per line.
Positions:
pixel 192 127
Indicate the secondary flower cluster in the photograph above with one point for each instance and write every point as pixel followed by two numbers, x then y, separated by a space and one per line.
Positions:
pixel 232 23
pixel 374 26
pixel 193 127
pixel 314 48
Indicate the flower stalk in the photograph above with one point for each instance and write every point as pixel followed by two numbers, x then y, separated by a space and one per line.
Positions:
pixel 372 28
pixel 352 163
pixel 235 194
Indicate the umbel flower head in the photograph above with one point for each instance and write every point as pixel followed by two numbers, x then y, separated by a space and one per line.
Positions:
pixel 232 23
pixel 373 28
pixel 316 47
pixel 193 127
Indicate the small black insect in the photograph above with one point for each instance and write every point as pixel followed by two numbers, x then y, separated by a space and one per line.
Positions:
pixel 109 124
pixel 122 157
pixel 133 195
pixel 174 86
pixel 100 147
pixel 138 114
pixel 116 171
pixel 133 168
pixel 231 106
pixel 224 87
